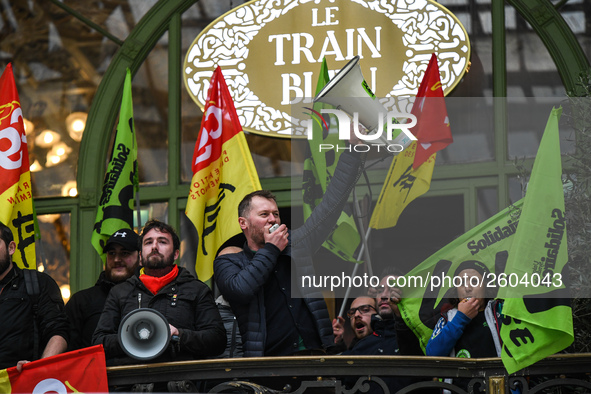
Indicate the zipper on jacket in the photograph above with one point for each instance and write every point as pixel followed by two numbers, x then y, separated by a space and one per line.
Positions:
pixel 139 300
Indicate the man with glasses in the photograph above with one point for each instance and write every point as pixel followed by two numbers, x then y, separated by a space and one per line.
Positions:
pixel 372 334
pixel 371 338
pixel 85 307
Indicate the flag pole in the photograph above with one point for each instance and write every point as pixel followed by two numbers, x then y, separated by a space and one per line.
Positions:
pixel 138 210
pixel 38 240
pixel 364 250
pixel 360 225
pixel 361 250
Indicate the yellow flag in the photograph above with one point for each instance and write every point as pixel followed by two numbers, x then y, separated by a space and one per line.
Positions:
pixel 223 173
pixel 16 193
pixel 411 171
pixel 402 185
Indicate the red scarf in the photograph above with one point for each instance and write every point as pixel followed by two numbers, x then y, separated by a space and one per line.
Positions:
pixel 155 283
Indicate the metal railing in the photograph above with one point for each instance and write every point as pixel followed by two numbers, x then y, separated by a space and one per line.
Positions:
pixel 568 373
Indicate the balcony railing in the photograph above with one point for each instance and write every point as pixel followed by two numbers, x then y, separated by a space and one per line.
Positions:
pixel 568 373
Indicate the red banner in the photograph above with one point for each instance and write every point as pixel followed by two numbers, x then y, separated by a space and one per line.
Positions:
pixel 80 371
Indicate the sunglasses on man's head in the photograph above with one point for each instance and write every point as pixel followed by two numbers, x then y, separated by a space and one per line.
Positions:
pixel 363 309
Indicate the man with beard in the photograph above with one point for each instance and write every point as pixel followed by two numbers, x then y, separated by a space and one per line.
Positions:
pixel 373 337
pixel 196 328
pixel 387 299
pixel 276 318
pixel 85 307
pixel 372 334
pixel 388 296
pixel 28 335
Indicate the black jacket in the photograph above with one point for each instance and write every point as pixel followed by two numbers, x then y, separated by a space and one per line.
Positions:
pixel 233 338
pixel 381 342
pixel 84 311
pixel 241 277
pixel 17 317
pixel 187 304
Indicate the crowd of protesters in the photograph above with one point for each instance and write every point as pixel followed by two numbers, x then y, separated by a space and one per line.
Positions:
pixel 263 314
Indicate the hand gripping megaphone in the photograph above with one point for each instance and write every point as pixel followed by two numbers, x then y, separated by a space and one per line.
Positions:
pixel 348 91
pixel 144 334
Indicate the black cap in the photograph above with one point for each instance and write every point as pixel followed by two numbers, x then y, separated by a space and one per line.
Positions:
pixel 124 237
pixel 476 265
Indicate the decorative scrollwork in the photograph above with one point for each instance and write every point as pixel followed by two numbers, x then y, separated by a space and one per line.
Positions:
pixel 568 383
pixel 477 384
pixel 362 385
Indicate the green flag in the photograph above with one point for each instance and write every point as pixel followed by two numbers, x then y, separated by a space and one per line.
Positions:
pixel 427 284
pixel 115 209
pixel 526 265
pixel 538 317
pixel 318 170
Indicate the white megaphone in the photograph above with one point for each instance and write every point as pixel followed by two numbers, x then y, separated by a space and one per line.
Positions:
pixel 144 334
pixel 348 91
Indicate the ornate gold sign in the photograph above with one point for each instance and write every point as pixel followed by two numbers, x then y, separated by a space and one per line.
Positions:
pixel 270 52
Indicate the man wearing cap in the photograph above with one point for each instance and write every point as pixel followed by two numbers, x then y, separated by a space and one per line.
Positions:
pixel 85 307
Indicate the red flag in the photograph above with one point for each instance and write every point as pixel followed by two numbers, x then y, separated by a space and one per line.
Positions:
pixel 432 129
pixel 16 193
pixel 80 371
pixel 220 123
pixel 223 173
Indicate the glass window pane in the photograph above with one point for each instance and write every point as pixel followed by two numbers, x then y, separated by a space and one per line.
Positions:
pixel 526 121
pixel 58 63
pixel 531 72
pixel 190 123
pixel 189 244
pixel 150 112
pixel 516 189
pixel 193 21
pixel 488 203
pixel 424 227
pixel 117 17
pixel 472 128
pixel 577 15
pixel 53 250
pixel 156 210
